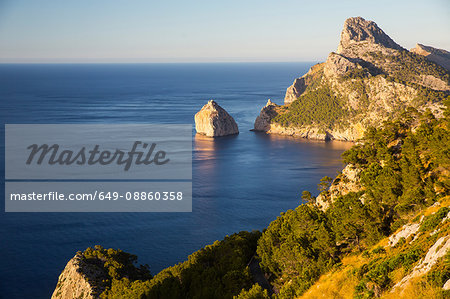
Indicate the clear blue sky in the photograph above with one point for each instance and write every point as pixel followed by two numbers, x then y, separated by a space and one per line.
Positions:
pixel 204 31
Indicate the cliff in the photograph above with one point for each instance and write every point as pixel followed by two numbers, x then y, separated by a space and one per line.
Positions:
pixel 92 273
pixel 370 79
pixel 80 279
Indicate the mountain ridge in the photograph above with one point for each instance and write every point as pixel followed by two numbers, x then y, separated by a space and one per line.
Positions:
pixel 371 80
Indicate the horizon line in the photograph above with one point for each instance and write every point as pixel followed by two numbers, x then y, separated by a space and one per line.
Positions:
pixel 155 62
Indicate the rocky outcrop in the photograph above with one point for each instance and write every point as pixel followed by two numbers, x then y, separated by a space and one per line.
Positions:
pixel 360 35
pixel 295 90
pixel 347 181
pixel 438 56
pixel 437 251
pixel 213 121
pixel 300 84
pixel 262 122
pixel 446 285
pixel 372 80
pixel 406 231
pixel 80 279
pixel 338 65
pixel 309 132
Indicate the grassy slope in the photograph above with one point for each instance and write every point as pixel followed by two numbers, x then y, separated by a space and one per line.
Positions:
pixel 343 279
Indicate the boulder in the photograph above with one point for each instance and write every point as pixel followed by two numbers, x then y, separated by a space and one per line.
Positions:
pixel 213 121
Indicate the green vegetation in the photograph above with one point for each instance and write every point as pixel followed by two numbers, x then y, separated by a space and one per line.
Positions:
pixel 427 95
pixel 404 169
pixel 356 73
pixel 408 66
pixel 256 292
pixel 298 246
pixel 320 106
pixel 431 222
pixel 116 263
pixel 402 173
pixel 216 271
pixel 440 273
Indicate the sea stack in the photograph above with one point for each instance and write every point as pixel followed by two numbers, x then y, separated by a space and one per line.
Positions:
pixel 262 122
pixel 213 121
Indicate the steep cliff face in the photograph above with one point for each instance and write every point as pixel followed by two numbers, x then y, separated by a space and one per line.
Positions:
pixel 300 84
pixel 80 279
pixel 213 121
pixel 368 80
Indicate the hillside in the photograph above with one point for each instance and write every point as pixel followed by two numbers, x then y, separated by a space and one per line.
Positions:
pixel 380 228
pixel 439 56
pixel 370 79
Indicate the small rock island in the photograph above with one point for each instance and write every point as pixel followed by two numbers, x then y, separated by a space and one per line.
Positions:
pixel 213 121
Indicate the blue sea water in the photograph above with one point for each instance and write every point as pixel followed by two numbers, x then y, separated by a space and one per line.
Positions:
pixel 240 182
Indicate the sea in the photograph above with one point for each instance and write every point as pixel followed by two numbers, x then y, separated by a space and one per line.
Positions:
pixel 240 182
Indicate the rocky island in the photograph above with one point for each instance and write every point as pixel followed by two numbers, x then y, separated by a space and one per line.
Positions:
pixel 368 80
pixel 213 121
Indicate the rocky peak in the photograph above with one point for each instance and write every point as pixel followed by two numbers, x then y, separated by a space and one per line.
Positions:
pixel 213 121
pixel 269 103
pixel 438 56
pixel 212 105
pixel 359 31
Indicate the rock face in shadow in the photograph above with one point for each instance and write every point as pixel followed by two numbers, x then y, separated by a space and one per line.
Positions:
pixel 438 56
pixel 300 84
pixel 262 122
pixel 213 121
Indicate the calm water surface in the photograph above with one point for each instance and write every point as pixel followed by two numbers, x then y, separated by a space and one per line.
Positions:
pixel 239 182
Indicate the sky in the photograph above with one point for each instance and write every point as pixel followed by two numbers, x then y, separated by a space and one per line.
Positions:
pixel 133 31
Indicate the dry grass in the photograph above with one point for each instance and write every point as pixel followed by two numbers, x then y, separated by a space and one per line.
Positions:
pixel 339 284
pixel 445 202
pixel 416 288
